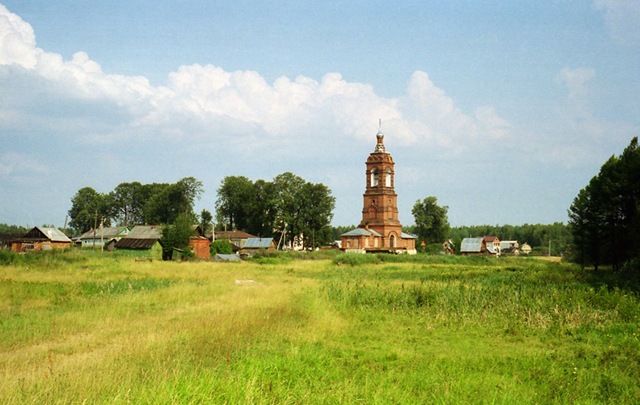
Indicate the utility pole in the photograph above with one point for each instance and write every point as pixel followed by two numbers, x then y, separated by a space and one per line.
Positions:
pixel 95 225
pixel 102 233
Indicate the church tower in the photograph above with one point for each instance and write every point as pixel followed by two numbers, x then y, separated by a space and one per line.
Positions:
pixel 380 229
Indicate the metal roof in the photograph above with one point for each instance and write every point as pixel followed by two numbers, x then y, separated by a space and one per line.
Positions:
pixel 219 257
pixel 408 236
pixel 145 232
pixel 471 245
pixel 106 233
pixel 258 243
pixel 52 234
pixel 361 232
pixel 505 244
pixel 130 243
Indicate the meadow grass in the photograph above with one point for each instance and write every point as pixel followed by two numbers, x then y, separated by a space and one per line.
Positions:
pixel 86 327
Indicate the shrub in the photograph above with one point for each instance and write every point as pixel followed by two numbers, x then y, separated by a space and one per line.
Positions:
pixel 355 259
pixel 8 257
pixel 222 246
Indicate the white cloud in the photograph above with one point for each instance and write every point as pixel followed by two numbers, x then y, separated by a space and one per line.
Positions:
pixel 17 40
pixel 205 101
pixel 623 19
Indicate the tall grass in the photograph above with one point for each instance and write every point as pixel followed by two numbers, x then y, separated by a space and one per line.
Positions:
pixel 107 329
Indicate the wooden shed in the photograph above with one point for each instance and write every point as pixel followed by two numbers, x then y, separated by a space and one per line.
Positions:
pixel 258 244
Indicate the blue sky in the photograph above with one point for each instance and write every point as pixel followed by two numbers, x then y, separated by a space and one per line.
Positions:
pixel 501 110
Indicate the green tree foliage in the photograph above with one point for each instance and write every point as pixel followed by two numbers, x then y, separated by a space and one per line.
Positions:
pixel 222 246
pixel 135 203
pixel 431 221
pixel 605 215
pixel 6 229
pixel 287 205
pixel 167 201
pixel 88 208
pixel 261 209
pixel 128 201
pixel 316 214
pixel 233 203
pixel 176 235
pixel 206 220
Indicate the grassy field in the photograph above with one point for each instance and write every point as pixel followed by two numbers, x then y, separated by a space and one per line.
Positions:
pixel 83 327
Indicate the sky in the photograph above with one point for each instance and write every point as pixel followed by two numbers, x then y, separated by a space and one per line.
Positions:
pixel 502 110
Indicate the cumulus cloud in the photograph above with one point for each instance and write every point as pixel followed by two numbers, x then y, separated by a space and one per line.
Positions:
pixel 206 102
pixel 17 40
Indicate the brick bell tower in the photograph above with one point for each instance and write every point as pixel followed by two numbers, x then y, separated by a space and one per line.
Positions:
pixel 380 209
pixel 380 230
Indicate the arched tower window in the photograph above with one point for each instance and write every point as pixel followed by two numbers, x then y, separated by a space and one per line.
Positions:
pixel 387 178
pixel 374 178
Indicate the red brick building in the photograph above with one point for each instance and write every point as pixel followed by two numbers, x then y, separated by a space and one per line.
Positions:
pixel 200 247
pixel 380 229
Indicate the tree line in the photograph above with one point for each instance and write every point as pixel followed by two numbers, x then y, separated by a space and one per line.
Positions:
pixel 285 208
pixel 432 227
pixel 134 203
pixel 605 215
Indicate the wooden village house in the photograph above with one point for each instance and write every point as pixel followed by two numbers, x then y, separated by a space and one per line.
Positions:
pixel 41 238
pixel 143 240
pixel 103 236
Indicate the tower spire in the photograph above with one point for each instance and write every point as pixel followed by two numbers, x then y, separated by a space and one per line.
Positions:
pixel 380 139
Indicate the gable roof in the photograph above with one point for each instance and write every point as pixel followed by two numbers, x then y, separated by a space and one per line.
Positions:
pixel 361 232
pixel 44 233
pixel 141 237
pixel 233 235
pixel 258 243
pixel 131 243
pixel 106 233
pixel 219 257
pixel 145 232
pixel 471 245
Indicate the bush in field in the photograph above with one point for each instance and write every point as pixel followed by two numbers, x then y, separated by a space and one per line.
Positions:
pixel 355 259
pixel 9 257
pixel 222 246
